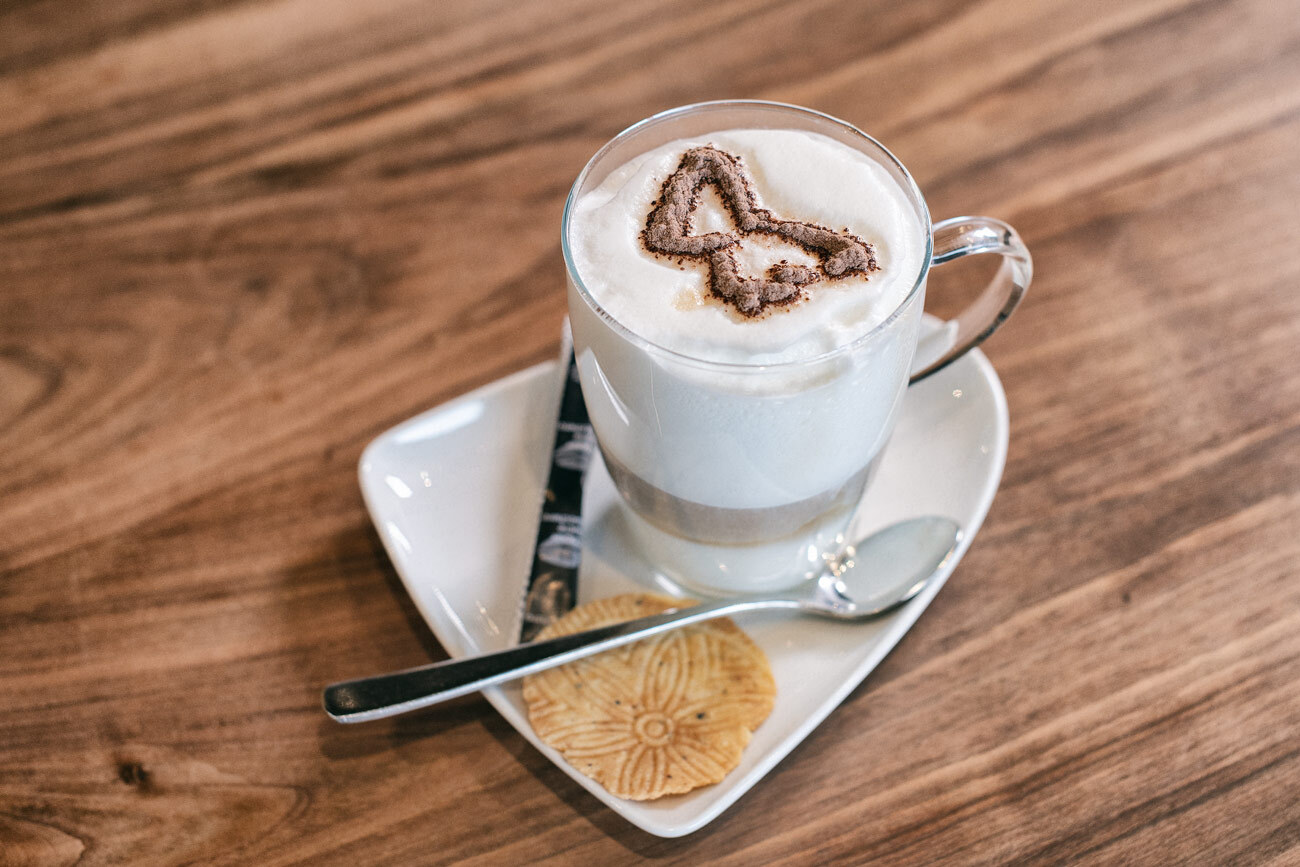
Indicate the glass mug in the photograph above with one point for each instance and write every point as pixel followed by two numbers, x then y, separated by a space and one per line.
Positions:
pixel 743 477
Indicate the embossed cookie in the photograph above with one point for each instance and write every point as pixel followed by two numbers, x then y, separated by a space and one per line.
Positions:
pixel 663 716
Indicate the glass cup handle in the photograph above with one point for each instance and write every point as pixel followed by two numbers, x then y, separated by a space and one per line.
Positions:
pixel 969 236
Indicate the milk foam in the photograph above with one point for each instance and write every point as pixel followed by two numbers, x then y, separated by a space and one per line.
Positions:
pixel 799 176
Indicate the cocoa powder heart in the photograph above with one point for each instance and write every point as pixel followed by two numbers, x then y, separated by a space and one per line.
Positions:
pixel 668 233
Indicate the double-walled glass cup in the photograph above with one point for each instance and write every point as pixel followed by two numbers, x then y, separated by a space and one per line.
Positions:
pixel 742 477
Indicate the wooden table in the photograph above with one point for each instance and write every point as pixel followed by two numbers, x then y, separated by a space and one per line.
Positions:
pixel 238 240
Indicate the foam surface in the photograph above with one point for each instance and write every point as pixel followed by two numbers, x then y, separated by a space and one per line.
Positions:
pixel 799 176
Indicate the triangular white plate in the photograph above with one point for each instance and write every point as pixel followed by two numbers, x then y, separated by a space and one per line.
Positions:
pixel 455 493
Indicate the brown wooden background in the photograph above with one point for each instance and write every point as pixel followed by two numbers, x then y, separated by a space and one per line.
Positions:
pixel 240 239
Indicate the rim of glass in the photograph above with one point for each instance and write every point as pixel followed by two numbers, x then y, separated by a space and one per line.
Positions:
pixel 635 338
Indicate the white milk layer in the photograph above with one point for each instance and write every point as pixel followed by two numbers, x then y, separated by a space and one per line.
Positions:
pixel 751 437
pixel 798 176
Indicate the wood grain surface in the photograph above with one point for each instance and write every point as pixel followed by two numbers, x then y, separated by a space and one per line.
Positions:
pixel 240 239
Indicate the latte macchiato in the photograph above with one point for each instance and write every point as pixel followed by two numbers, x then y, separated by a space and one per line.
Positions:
pixel 745 303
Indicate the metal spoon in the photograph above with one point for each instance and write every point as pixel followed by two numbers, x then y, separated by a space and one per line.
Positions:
pixel 874 577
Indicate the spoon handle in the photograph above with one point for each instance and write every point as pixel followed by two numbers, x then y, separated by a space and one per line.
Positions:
pixel 390 694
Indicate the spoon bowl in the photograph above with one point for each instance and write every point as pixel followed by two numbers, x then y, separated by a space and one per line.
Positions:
pixel 872 577
pixel 917 549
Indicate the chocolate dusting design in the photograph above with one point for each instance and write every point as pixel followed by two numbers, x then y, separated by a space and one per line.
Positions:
pixel 668 232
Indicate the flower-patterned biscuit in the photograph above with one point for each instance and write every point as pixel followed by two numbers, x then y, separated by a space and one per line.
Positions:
pixel 665 715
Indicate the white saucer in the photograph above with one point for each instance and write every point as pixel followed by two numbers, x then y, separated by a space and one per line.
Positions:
pixel 455 492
